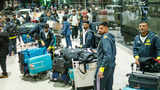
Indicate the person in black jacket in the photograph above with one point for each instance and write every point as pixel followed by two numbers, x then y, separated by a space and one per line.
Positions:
pixel 3 53
pixel 88 36
pixel 47 38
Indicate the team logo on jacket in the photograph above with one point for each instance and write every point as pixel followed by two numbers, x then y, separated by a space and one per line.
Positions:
pixel 148 40
pixel 105 37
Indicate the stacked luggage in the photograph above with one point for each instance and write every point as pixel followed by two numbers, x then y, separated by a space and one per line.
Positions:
pixel 73 64
pixel 24 29
pixel 34 61
pixel 82 74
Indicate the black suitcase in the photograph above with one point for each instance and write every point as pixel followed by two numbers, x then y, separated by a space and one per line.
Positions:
pixel 144 80
pixel 59 64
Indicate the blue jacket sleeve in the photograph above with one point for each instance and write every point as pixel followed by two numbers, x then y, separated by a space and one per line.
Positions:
pixel 107 52
pixel 41 37
pixel 53 41
pixel 64 29
pixel 135 48
pixel 157 45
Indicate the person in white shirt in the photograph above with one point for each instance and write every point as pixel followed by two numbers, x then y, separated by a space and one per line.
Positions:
pixel 74 24
pixel 89 16
pixel 88 36
pixel 60 15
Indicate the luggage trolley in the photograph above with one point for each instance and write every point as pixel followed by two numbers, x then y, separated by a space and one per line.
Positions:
pixel 82 77
pixel 34 61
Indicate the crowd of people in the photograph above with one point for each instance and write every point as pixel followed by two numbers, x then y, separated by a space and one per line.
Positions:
pixel 76 25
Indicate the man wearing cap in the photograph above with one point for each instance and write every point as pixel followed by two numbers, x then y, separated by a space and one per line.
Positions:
pixel 106 53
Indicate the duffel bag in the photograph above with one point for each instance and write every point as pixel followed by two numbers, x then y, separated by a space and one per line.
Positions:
pixel 70 53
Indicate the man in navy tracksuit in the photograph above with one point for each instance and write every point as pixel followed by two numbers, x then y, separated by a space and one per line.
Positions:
pixel 106 59
pixel 66 31
pixel 146 44
pixel 48 39
pixel 11 28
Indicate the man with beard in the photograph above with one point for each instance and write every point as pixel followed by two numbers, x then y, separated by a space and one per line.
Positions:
pixel 106 53
pixel 146 44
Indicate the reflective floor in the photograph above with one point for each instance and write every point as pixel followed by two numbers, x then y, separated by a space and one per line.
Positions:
pixel 16 82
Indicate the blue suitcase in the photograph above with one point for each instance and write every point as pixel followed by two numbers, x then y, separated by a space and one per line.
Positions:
pixel 36 52
pixel 39 64
pixel 128 88
pixel 29 53
pixel 27 39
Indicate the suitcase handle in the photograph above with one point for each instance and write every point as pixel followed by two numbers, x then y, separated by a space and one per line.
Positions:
pixel 132 67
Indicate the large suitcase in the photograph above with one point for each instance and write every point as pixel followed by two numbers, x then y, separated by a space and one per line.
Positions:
pixel 39 64
pixel 29 53
pixel 145 80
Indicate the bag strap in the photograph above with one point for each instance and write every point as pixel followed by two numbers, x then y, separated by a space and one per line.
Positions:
pixel 85 69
